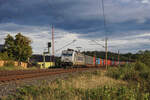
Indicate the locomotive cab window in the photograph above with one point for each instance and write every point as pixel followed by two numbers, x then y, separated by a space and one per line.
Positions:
pixel 67 54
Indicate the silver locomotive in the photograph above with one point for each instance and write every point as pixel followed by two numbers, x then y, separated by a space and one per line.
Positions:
pixel 73 58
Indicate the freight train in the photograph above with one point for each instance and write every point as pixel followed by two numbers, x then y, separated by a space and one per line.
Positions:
pixel 73 58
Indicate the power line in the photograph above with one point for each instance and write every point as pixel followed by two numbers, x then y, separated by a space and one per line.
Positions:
pixel 97 43
pixel 65 45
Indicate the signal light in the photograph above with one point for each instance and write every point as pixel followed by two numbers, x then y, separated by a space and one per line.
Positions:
pixel 49 44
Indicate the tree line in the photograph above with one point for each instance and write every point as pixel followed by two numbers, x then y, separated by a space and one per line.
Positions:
pixel 16 48
pixel 141 55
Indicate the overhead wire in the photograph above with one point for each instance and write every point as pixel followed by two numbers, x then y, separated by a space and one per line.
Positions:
pixel 65 45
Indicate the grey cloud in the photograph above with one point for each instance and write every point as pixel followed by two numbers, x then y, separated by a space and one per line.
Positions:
pixel 84 17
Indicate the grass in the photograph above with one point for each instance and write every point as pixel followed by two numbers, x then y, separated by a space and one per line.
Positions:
pixel 84 86
pixel 91 80
pixel 11 68
pixel 15 68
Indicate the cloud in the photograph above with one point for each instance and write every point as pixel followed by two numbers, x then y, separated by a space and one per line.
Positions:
pixel 126 21
pixel 145 1
pixel 40 37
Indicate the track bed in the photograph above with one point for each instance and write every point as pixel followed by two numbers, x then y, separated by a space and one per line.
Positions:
pixel 7 76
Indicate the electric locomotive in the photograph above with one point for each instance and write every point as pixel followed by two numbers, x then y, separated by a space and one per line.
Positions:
pixel 76 59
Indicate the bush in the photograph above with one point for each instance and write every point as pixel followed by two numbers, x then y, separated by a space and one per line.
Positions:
pixel 144 57
pixel 114 72
pixel 125 73
pixel 139 66
pixel 138 72
pixel 9 64
pixel 133 71
pixel 4 56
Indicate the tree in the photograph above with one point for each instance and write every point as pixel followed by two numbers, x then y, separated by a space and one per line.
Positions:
pixel 18 48
pixel 22 50
pixel 144 57
pixel 9 46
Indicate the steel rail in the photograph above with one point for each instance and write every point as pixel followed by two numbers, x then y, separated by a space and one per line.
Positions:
pixel 7 76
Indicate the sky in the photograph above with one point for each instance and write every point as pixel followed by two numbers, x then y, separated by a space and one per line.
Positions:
pixel 127 23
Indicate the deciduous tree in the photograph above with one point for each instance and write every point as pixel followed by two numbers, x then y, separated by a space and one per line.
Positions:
pixel 9 46
pixel 19 48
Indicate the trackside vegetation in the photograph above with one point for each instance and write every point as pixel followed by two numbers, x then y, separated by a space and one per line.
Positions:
pixel 137 74
pixel 59 93
pixel 120 83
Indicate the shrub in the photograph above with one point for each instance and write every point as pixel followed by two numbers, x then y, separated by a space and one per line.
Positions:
pixel 138 72
pixel 4 56
pixel 125 73
pixel 133 71
pixel 139 66
pixel 9 64
pixel 144 57
pixel 145 75
pixel 114 72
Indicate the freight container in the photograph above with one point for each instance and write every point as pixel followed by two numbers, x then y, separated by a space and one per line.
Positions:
pixel 108 62
pixel 116 63
pixel 88 60
pixel 112 63
pixel 94 61
pixel 102 62
pixel 98 63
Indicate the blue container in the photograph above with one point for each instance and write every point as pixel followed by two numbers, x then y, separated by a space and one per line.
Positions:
pixel 97 60
pixel 113 62
pixel 102 61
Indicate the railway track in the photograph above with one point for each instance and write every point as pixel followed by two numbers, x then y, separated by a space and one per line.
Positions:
pixel 7 76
